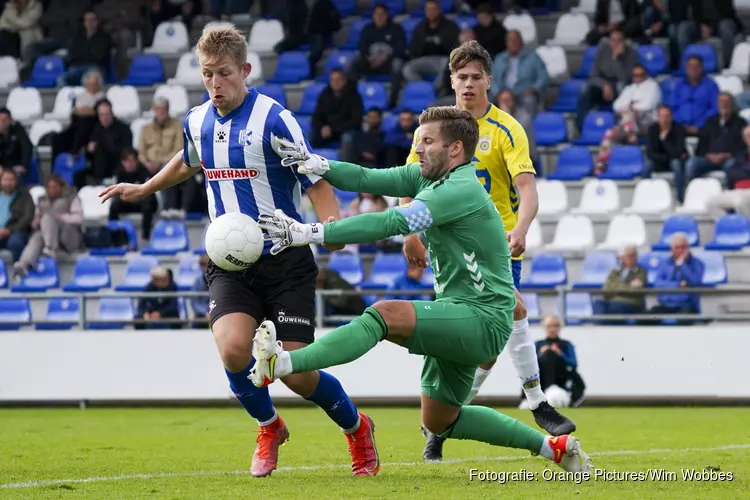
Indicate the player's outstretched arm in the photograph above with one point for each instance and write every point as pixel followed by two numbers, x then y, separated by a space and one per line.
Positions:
pixel 173 173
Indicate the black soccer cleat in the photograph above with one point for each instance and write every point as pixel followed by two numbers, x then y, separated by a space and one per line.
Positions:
pixel 433 448
pixel 552 421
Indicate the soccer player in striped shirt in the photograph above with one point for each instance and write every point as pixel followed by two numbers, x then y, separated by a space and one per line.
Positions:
pixel 228 137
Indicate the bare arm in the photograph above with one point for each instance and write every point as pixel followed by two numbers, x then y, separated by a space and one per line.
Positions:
pixel 529 206
pixel 323 200
pixel 174 172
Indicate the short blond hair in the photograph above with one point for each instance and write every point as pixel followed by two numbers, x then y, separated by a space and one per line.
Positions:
pixel 222 41
pixel 455 125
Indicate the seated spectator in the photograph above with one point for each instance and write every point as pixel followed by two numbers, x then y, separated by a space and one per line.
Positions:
pixel 738 177
pixel 719 140
pixel 83 116
pixel 159 11
pixel 399 139
pixel 15 146
pixel 122 20
pixel 506 101
pixel 665 150
pixel 90 49
pixel 694 98
pixel 19 26
pixel 410 280
pixel 16 214
pixel 490 33
pixel 615 15
pixel 522 72
pixel 56 23
pixel 381 50
pixel 611 71
pixel 628 276
pixel 134 172
pixel 655 19
pixel 201 306
pixel 713 18
pixel 350 305
pixel 160 139
pixel 57 225
pixel 338 114
pixel 159 308
pixel 635 108
pixel 109 139
pixel 680 270
pixel 369 149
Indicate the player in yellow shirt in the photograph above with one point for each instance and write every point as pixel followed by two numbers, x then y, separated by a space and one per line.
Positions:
pixel 505 169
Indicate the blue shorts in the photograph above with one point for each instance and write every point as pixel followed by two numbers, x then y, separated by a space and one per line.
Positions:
pixel 515 266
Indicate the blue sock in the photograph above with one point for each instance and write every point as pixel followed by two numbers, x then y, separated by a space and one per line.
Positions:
pixel 256 401
pixel 330 396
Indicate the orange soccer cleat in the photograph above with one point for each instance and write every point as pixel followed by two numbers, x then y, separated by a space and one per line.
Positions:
pixel 365 460
pixel 266 456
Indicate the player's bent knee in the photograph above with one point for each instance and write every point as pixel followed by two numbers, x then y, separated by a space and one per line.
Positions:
pixel 399 317
pixel 302 384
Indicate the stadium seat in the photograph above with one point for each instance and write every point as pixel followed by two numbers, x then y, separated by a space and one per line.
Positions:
pixel 40 278
pixel 177 97
pixel 428 277
pixel 25 104
pixel 93 207
pixel 651 261
pixel 112 313
pixel 337 59
pixel 625 163
pixel 3 274
pixel 256 68
pixel 188 72
pixel 707 54
pixel 534 238
pixel 678 224
pixel 310 98
pixel 187 272
pixel 14 312
pixel 90 274
pixel 598 197
pixel 729 83
pixel 167 238
pixel 572 233
pixel 595 269
pixel 291 67
pixel 66 165
pixel 548 270
pixel 740 63
pixel 8 72
pixel 305 123
pixel 588 60
pixel 136 127
pixel 137 274
pixel 373 95
pixel 667 87
pixel 64 101
pixel 577 308
pixel 346 7
pixel 554 60
pixel 348 265
pixel 126 105
pixel 40 128
pixel 531 303
pixel 145 70
pixel 46 71
pixel 732 232
pixel 714 267
pixel 570 29
pixel 594 126
pixel 651 196
pixel 416 96
pixel 698 192
pixel 523 23
pixel 390 122
pixel 355 31
pixel 653 58
pixel 275 92
pixel 63 313
pixel 553 197
pixel 386 269
pixel 573 164
pixel 126 226
pixel 408 25
pixel 265 34
pixel 465 22
pixel 550 129
pixel 170 37
pixel 567 96
pixel 624 230
pixel 331 154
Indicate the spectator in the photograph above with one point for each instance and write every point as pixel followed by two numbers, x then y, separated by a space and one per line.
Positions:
pixel 611 71
pixel 134 172
pixel 160 11
pixel 720 139
pixel 738 177
pixel 369 149
pixel 159 308
pixel 694 98
pixel 338 114
pixel 19 26
pixel 410 280
pixel 201 306
pixel 488 32
pixel 381 50
pixel 328 279
pixel 56 23
pixel 665 150
pixel 122 19
pixel 656 19
pixel 522 72
pixel 90 49
pixel 506 101
pixel 680 270
pixel 615 15
pixel 431 44
pixel 16 214
pixel 15 146
pixel 399 139
pixel 83 116
pixel 109 139
pixel 626 277
pixel 160 139
pixel 57 225
pixel 713 18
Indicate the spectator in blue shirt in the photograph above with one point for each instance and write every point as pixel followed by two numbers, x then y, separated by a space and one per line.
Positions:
pixel 521 71
pixel 680 270
pixel 398 139
pixel 201 307
pixel 369 149
pixel 411 280
pixel 695 98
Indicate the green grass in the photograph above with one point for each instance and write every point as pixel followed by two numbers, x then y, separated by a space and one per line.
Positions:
pixel 208 451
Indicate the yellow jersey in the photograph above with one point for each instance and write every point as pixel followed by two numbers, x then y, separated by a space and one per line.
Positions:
pixel 502 153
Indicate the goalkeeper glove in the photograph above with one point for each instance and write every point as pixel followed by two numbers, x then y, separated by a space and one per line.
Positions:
pixel 286 232
pixel 297 155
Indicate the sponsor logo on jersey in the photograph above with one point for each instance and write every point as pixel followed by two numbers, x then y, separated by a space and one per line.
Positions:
pixel 234 260
pixel 292 320
pixel 246 138
pixel 230 174
pixel 405 205
pixel 484 144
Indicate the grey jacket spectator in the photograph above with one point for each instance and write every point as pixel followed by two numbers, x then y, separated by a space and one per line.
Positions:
pixel 616 71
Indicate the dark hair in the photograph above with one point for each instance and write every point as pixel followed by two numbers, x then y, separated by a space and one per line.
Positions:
pixel 381 6
pixel 104 101
pixel 617 30
pixel 640 66
pixel 455 125
pixel 5 111
pixel 57 179
pixel 469 52
pixel 485 8
pixel 127 153
pixel 696 57
pixel 664 106
pixel 9 171
pixel 375 109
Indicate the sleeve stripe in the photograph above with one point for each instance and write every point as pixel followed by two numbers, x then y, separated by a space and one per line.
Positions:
pixel 417 215
pixel 504 129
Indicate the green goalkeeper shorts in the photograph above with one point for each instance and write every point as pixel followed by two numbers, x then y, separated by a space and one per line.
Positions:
pixel 455 339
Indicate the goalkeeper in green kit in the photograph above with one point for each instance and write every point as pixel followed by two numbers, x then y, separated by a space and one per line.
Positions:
pixel 471 319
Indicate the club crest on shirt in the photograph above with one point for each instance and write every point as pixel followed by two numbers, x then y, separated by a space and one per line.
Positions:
pixel 245 138
pixel 484 144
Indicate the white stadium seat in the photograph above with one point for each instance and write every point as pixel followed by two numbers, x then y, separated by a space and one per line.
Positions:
pixel 40 128
pixel 554 60
pixel 8 72
pixel 585 7
pixel 573 233
pixel 188 72
pixel 256 73
pixel 729 83
pixel 63 106
pixel 37 192
pixel 126 104
pixel 745 113
pixel 697 194
pixel 93 207
pixel 524 23
pixel 170 37
pixel 177 97
pixel 571 29
pixel 136 126
pixel 624 230
pixel 740 63
pixel 25 104
pixel 553 197
pixel 534 239
pixel 599 197
pixel 651 196
pixel 264 34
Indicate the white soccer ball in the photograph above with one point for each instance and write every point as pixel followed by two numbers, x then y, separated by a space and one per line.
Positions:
pixel 557 396
pixel 234 241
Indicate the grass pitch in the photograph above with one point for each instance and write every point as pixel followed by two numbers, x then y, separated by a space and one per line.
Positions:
pixel 205 453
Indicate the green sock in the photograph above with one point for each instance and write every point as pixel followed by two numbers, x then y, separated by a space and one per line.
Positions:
pixel 480 423
pixel 342 345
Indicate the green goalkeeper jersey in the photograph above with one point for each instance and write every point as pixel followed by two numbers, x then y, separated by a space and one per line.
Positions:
pixel 465 236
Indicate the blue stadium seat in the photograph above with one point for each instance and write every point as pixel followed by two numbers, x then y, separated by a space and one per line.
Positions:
pixel 137 274
pixel 39 279
pixel 625 162
pixel 275 92
pixel 182 308
pixel 595 269
pixel 651 261
pixel 678 224
pixel 707 54
pixel 64 311
pixel 292 67
pixel 355 30
pixel 594 126
pixel 66 165
pixel 732 232
pixel 344 197
pixel 573 164
pixel 667 87
pixel 408 25
pixel 567 96
pixel 588 60
pixel 373 95
pixel 577 308
pixel 465 22
pixel 13 312
pixel 387 268
pixel 390 122
pixel 305 123
pixel 715 267
pixel 346 7
pixel 31 177
pixel 3 274
pixel 128 227
pixel 550 129
pixel 337 59
pixel 310 98
pixel 187 272
pixel 533 310
pixel 167 238
pixel 416 96
pixel 328 153
pixel 46 71
pixel 145 70
pixel 348 265
pixel 653 58
pixel 112 312
pixel 89 275
pixel 547 271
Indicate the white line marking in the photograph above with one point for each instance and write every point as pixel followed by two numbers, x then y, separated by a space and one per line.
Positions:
pixel 33 484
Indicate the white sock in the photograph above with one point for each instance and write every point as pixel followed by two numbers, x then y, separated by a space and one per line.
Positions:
pixel 546 450
pixel 479 377
pixel 270 420
pixel 355 428
pixel 283 366
pixel 523 355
